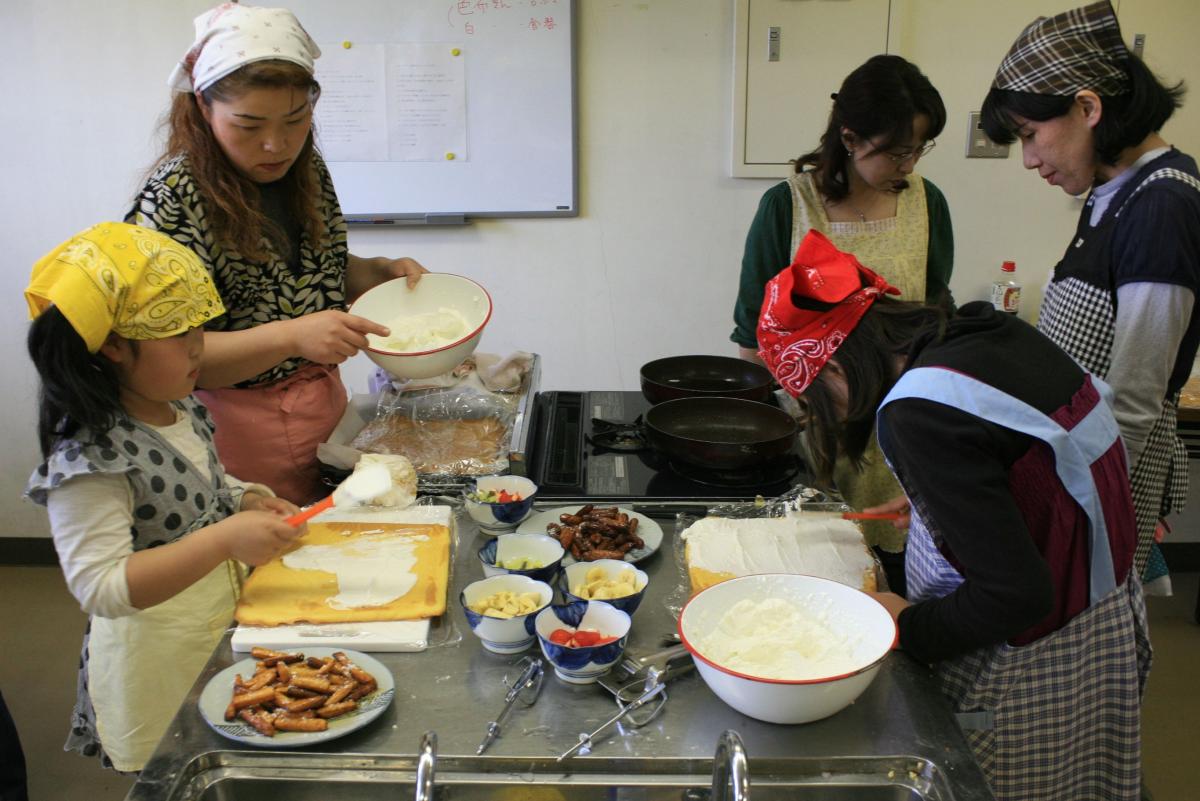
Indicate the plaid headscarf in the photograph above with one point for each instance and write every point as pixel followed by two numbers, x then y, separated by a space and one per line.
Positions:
pixel 232 35
pixel 795 342
pixel 1064 54
pixel 116 277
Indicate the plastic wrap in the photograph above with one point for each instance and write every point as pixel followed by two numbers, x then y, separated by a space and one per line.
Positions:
pixel 452 427
pixel 799 498
pixel 453 431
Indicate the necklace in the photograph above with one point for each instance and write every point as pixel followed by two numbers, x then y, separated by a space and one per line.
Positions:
pixel 831 203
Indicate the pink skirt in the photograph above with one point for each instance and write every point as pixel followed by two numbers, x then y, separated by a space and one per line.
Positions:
pixel 269 434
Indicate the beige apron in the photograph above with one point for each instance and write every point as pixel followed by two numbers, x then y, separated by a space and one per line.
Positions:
pixel 897 249
pixel 141 666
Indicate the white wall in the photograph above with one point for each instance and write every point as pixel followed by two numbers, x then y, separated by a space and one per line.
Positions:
pixel 648 269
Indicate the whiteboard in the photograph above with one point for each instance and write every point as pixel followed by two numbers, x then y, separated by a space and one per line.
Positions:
pixel 518 71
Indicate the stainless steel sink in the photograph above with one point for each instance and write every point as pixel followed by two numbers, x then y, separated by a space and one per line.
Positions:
pixel 241 776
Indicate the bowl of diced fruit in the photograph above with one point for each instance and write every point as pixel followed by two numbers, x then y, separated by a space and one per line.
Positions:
pixel 610 580
pixel 535 555
pixel 499 503
pixel 582 640
pixel 500 611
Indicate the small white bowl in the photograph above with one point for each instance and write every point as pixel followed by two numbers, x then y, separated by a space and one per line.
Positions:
pixel 583 665
pixel 870 635
pixel 539 548
pixel 573 576
pixel 494 517
pixel 504 635
pixel 435 291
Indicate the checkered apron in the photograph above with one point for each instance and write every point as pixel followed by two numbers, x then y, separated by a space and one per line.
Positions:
pixel 1059 718
pixel 1079 315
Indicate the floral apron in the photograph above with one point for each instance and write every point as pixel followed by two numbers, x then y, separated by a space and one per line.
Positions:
pixel 1059 718
pixel 897 249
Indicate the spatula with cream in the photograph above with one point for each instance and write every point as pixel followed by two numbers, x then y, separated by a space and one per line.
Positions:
pixel 361 486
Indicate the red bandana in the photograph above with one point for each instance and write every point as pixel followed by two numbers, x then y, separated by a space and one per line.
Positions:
pixel 795 343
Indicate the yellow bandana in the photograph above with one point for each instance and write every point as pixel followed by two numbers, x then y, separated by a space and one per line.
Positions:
pixel 116 277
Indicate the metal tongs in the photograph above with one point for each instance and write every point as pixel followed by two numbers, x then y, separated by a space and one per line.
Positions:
pixel 653 689
pixel 527 687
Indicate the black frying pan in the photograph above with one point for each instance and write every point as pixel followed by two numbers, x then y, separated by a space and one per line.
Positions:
pixel 705 376
pixel 720 433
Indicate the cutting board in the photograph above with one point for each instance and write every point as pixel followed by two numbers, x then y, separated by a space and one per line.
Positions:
pixel 382 635
pixel 362 635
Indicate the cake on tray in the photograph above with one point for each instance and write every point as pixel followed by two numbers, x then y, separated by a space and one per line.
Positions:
pixel 349 571
pixel 809 543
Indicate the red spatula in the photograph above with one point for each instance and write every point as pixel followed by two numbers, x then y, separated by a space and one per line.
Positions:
pixel 872 515
pixel 361 486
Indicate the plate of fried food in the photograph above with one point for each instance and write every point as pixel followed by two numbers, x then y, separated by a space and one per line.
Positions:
pixel 278 699
pixel 591 532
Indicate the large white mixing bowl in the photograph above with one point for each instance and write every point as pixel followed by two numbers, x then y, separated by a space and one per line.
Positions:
pixel 869 629
pixel 393 299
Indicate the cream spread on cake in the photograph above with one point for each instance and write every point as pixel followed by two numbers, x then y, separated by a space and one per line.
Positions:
pixel 774 638
pixel 370 571
pixel 824 546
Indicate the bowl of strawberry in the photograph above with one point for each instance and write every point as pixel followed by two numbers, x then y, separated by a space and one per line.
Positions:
pixel 500 503
pixel 582 640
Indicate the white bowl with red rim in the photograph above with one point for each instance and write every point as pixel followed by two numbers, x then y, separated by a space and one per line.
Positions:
pixel 393 299
pixel 858 633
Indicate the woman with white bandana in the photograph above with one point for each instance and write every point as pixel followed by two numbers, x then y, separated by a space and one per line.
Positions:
pixel 151 532
pixel 1122 299
pixel 242 184
pixel 1021 592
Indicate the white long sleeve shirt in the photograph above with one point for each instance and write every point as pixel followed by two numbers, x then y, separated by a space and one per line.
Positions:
pixel 91 516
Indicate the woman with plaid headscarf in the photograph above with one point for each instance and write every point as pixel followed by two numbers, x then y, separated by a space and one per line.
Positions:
pixel 1020 588
pixel 1122 299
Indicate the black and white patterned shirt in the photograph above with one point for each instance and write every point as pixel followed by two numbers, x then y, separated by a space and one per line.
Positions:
pixel 253 292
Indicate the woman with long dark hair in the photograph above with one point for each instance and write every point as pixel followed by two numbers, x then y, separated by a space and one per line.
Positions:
pixel 859 188
pixel 1121 301
pixel 242 184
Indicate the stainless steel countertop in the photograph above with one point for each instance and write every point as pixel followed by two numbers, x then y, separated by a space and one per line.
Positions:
pixel 456 689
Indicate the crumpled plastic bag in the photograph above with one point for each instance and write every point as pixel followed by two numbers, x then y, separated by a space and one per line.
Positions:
pixel 486 371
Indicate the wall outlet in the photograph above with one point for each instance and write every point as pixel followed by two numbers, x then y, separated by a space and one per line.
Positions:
pixel 979 146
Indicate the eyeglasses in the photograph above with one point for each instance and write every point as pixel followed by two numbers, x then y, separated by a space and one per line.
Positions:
pixel 900 158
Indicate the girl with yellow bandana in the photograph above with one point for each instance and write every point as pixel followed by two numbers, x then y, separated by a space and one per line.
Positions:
pixel 149 529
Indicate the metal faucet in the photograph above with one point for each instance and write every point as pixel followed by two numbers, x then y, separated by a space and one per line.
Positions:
pixel 731 775
pixel 426 763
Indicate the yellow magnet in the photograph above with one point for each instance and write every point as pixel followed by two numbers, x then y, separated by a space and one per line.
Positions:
pixel 456 52
pixel 347 45
pixel 449 157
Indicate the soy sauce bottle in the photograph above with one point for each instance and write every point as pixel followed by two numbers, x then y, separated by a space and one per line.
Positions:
pixel 1006 290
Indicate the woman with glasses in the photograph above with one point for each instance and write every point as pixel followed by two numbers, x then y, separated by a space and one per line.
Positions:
pixel 1121 301
pixel 859 189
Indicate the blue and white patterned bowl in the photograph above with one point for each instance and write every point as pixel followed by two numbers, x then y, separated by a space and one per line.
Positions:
pixel 573 576
pixel 583 665
pixel 538 547
pixel 504 635
pixel 491 517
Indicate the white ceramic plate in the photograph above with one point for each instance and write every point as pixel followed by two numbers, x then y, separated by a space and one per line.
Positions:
pixel 215 698
pixel 650 532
